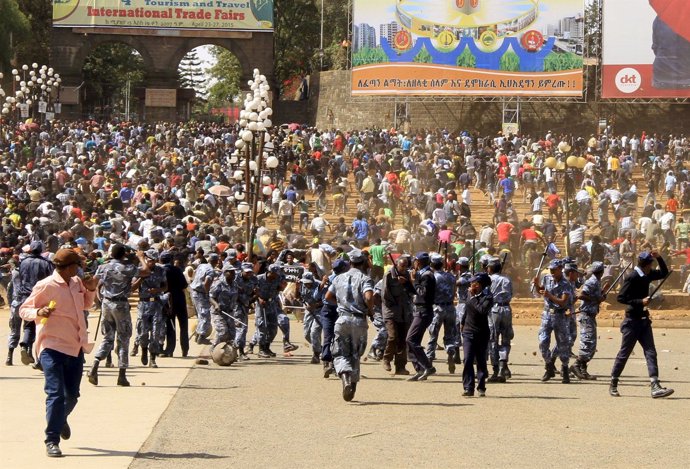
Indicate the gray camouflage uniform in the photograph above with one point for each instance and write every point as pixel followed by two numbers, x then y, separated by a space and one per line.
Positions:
pixel 150 322
pixel 225 294
pixel 267 314
pixel 588 318
pixel 554 320
pixel 501 323
pixel 245 296
pixel 444 315
pixel 201 298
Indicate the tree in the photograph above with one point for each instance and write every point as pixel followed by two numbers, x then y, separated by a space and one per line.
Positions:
pixel 14 27
pixel 225 77
pixel 36 46
pixel 593 47
pixel 192 74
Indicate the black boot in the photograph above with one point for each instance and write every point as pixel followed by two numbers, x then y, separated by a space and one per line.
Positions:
pixel 135 350
pixel 508 373
pixel 550 372
pixel 93 373
pixel 348 388
pixel 264 353
pixel 565 374
pixel 585 373
pixel 577 369
pixel 315 360
pixel 243 356
pixel 494 376
pixel 288 347
pixel 659 391
pixel 502 371
pixel 613 388
pixel 328 369
pixel 153 363
pixel 109 361
pixel 451 362
pixel 122 378
pixel 26 357
pixel 144 356
pixel 10 353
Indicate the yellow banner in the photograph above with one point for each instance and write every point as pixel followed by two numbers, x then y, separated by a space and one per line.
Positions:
pixel 224 15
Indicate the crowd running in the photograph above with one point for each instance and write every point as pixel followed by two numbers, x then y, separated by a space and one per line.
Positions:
pixel 370 225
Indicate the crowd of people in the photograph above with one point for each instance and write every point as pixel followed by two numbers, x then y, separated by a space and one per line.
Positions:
pixel 111 209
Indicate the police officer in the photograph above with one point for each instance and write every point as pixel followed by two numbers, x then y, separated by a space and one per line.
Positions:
pixel 32 268
pixel 501 322
pixel 115 283
pixel 150 309
pixel 223 295
pixel 637 327
pixel 476 333
pixel 15 319
pixel 308 291
pixel 378 345
pixel 572 275
pixel 204 276
pixel 444 314
pixel 270 285
pixel 247 290
pixel 329 315
pixel 462 284
pixel 396 305
pixel 557 294
pixel 354 293
pixel 423 313
pixel 591 298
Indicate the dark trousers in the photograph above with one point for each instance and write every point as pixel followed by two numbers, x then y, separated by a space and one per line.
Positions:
pixel 62 379
pixel 329 315
pixel 28 334
pixel 420 322
pixel 636 330
pixel 396 346
pixel 180 313
pixel 474 348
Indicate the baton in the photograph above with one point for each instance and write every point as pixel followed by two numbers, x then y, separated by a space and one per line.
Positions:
pixel 231 317
pixel 541 265
pixel 395 269
pixel 617 279
pixel 660 284
pixel 98 325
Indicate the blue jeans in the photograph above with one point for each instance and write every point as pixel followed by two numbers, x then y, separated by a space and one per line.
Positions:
pixel 62 379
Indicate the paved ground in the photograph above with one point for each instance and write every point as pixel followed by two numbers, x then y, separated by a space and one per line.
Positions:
pixel 282 413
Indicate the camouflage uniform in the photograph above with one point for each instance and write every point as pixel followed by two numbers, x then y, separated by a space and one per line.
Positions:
pixel 245 297
pixel 225 294
pixel 553 319
pixel 588 318
pixel 15 320
pixel 116 287
pixel 379 342
pixel 312 317
pixel 444 315
pixel 351 326
pixel 267 314
pixel 463 284
pixel 150 322
pixel 501 323
pixel 201 300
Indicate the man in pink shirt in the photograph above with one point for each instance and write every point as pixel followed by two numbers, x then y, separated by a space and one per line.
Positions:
pixel 62 341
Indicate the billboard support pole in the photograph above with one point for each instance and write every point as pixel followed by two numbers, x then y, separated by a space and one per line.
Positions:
pixel 511 115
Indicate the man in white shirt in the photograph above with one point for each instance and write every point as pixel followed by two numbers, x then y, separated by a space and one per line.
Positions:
pixel 319 224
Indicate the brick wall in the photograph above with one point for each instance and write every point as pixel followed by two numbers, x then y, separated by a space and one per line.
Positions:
pixel 330 105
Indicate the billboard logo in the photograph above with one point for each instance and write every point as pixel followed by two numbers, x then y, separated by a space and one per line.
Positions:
pixel 628 80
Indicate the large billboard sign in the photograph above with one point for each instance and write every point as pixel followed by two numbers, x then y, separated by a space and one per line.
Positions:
pixel 646 51
pixel 223 15
pixel 468 47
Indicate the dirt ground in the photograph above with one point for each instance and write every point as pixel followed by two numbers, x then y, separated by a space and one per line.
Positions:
pixel 283 413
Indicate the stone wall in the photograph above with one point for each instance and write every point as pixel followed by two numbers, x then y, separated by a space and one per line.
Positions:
pixel 330 105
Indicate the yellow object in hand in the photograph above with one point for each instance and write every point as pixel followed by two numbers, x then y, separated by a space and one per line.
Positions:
pixel 51 306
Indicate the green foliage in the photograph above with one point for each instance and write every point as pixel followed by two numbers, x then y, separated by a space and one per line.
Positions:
pixel 36 46
pixel 510 62
pixel 556 62
pixel 467 59
pixel 367 55
pixel 14 28
pixel 108 71
pixel 191 74
pixel 423 57
pixel 225 77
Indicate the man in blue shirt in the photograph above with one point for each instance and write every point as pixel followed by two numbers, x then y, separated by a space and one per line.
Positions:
pixel 360 228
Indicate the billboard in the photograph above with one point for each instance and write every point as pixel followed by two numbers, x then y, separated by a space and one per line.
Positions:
pixel 646 52
pixel 224 15
pixel 468 47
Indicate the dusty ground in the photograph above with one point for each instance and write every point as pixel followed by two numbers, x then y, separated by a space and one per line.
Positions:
pixel 282 413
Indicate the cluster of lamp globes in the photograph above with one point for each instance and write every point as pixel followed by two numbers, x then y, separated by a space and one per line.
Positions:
pixel 255 120
pixel 41 81
pixel 573 162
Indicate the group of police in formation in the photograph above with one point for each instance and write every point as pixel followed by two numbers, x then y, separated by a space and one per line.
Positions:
pixel 415 296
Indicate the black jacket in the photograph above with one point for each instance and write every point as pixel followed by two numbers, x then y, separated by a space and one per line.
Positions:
pixel 425 288
pixel 636 288
pixel 477 311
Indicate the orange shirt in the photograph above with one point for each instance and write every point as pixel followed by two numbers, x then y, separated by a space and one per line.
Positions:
pixel 65 329
pixel 672 205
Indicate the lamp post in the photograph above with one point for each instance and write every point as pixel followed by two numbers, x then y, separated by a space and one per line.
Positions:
pixel 33 86
pixel 255 120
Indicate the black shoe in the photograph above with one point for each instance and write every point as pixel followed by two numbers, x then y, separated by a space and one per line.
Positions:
pixel 457 359
pixel 202 340
pixel 348 387
pixel 288 347
pixel 613 388
pixel 122 378
pixel 502 371
pixel 250 348
pixel 328 369
pixel 264 354
pixel 243 356
pixel 93 373
pixel 66 431
pixel 565 374
pixel 315 360
pixel 53 450
pixel 481 392
pixel 467 393
pixel 144 356
pixel 586 374
pixel 451 362
pixel 508 373
pixel 428 372
pixel 26 357
pixel 550 372
pixel 8 361
pixel 185 353
pixel 152 362
pixel 37 366
pixel 576 369
pixel 659 391
pixel 135 350
pixel 270 352
pixel 494 376
pixel 416 376
pixel 402 371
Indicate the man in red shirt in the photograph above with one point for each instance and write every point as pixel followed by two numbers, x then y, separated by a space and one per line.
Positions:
pixel 672 205
pixel 529 238
pixel 553 201
pixel 503 231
